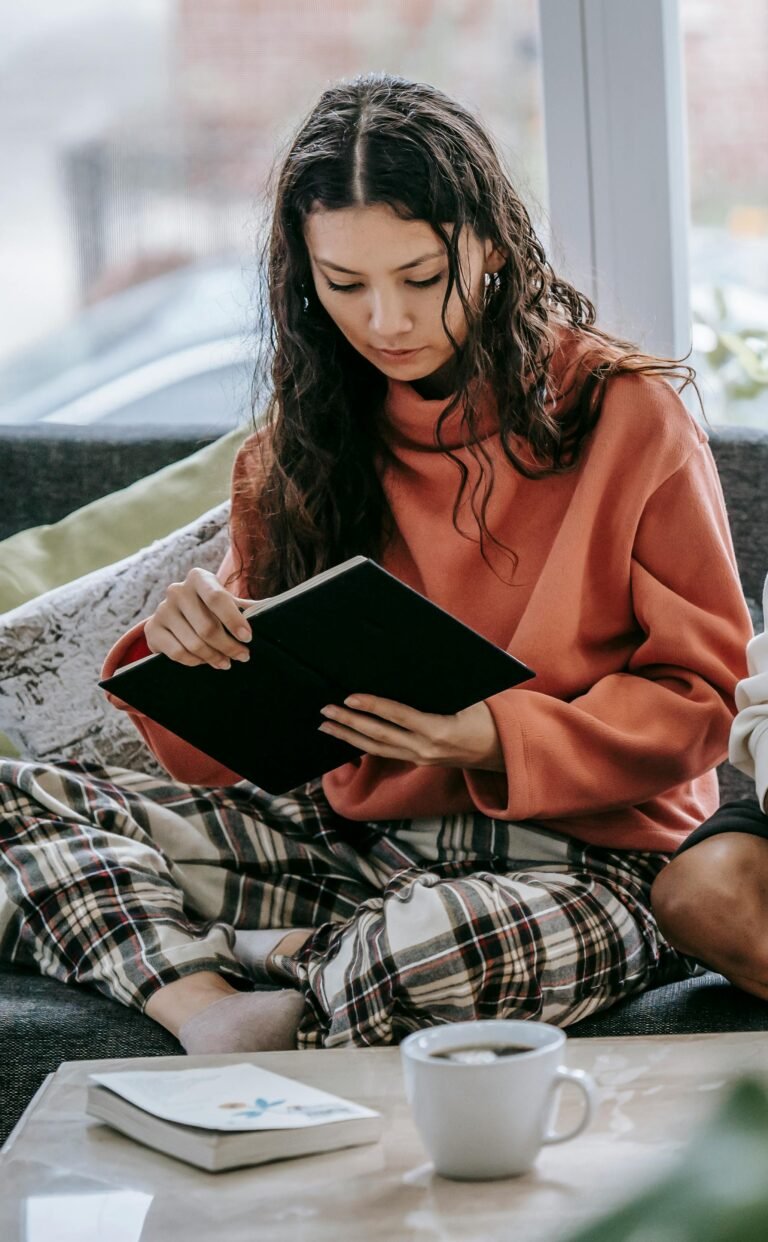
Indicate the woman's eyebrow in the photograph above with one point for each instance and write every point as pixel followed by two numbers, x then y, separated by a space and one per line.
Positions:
pixel 435 254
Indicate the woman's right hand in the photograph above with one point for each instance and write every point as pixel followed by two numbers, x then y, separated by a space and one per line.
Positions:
pixel 199 622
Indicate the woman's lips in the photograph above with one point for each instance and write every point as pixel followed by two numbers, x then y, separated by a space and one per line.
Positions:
pixel 398 355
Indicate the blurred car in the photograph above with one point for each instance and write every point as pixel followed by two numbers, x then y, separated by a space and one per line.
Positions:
pixel 176 350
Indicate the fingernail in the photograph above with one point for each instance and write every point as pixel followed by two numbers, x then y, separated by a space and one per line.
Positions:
pixel 352 701
pixel 223 664
pixel 243 656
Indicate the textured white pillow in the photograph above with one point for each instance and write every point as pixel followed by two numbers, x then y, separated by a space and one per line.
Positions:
pixel 52 650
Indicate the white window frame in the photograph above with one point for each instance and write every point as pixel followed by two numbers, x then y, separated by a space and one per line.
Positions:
pixel 617 162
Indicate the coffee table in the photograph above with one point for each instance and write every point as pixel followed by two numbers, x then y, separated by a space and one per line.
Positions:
pixel 60 1171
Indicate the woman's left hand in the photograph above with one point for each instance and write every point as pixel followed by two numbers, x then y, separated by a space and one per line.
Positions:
pixel 380 727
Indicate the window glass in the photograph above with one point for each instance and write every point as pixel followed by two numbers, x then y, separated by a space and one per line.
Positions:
pixel 726 63
pixel 137 137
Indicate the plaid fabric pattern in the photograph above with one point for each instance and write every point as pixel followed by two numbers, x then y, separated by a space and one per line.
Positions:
pixel 127 881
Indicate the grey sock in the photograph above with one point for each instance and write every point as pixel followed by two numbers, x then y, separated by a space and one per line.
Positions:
pixel 245 1022
pixel 253 949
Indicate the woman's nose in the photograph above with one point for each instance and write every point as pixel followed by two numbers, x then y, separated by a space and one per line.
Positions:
pixel 389 317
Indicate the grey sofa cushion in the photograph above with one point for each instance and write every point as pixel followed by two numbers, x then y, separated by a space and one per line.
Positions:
pixel 734 784
pixel 705 1003
pixel 49 471
pixel 741 454
pixel 43 1022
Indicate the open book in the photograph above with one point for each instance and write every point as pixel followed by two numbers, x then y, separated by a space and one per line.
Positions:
pixel 353 629
pixel 227 1116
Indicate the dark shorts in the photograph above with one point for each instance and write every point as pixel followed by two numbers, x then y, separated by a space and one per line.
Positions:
pixel 741 815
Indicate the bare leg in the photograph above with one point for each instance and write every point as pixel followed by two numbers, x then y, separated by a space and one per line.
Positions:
pixel 749 985
pixel 712 903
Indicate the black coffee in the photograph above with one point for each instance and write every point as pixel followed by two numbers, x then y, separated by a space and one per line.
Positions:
pixel 490 1050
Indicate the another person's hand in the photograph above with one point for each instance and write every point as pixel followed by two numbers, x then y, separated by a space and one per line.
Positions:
pixel 468 739
pixel 199 622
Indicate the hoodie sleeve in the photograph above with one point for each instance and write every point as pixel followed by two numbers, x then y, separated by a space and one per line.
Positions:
pixel 182 761
pixel 665 718
pixel 749 734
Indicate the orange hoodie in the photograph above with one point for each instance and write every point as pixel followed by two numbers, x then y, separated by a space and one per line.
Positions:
pixel 624 598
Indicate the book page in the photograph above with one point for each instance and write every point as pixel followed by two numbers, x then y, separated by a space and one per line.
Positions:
pixel 231 1097
pixel 270 600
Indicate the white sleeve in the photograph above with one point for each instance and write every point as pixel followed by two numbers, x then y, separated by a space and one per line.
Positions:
pixel 748 750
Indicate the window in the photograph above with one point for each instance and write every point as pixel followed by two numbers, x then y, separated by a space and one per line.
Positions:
pixel 137 138
pixel 726 54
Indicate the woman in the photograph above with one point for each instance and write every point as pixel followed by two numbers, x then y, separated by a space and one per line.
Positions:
pixel 444 403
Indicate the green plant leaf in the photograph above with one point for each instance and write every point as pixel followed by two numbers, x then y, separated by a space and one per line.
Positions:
pixel 756 369
pixel 718 1192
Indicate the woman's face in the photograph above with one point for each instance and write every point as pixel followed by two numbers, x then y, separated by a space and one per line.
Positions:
pixel 382 280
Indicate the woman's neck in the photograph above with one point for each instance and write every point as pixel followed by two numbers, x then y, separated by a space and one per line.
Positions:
pixel 438 385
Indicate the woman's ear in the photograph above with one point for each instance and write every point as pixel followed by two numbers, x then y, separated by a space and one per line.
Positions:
pixel 494 259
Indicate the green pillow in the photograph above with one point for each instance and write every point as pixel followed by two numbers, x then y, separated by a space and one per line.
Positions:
pixel 37 560
pixel 106 530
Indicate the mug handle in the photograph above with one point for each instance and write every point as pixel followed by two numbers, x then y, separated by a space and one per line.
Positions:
pixel 589 1092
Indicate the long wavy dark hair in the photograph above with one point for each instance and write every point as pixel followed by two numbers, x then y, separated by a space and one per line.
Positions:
pixel 384 140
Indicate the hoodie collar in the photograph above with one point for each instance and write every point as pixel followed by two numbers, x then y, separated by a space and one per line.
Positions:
pixel 411 420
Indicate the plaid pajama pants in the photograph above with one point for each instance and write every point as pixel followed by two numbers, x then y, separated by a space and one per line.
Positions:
pixel 127 881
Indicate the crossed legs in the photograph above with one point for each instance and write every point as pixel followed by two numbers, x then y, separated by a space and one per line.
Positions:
pixel 140 885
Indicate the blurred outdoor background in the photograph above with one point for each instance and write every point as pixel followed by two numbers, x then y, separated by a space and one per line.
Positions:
pixel 137 137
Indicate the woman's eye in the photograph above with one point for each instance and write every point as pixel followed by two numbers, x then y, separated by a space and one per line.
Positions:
pixel 415 284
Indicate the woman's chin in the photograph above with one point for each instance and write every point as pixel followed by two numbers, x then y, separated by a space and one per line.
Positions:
pixel 414 371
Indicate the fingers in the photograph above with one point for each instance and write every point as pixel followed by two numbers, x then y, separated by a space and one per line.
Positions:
pixel 366 726
pixel 385 749
pixel 199 622
pixel 467 739
pixel 377 736
pixel 206 588
pixel 183 645
pixel 387 709
pixel 209 620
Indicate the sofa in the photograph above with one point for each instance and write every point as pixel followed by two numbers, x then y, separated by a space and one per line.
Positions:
pixel 49 472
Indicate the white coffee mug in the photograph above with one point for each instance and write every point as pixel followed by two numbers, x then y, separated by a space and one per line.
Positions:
pixel 483 1110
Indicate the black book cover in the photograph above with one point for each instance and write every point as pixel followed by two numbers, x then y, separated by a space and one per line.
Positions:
pixel 360 630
